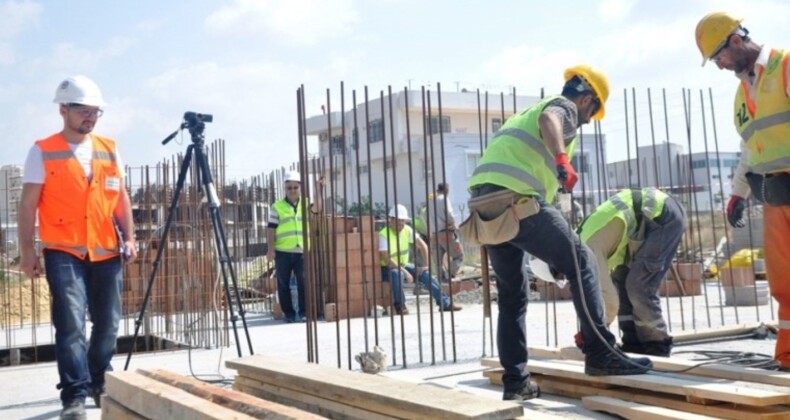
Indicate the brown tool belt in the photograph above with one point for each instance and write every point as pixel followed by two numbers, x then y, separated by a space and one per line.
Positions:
pixel 494 218
pixel 771 189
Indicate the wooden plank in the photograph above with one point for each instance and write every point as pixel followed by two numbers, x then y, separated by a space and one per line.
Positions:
pixel 322 406
pixel 736 373
pixel 156 400
pixel 739 393
pixel 234 400
pixel 579 389
pixel 111 409
pixel 374 393
pixel 632 410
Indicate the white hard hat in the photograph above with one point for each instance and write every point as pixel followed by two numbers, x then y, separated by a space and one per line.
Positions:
pixel 293 177
pixel 79 90
pixel 399 212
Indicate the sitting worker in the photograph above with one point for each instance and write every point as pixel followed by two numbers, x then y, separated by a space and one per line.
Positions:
pixel 634 238
pixel 394 242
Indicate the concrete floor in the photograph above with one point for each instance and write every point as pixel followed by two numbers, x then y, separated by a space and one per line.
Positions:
pixel 29 392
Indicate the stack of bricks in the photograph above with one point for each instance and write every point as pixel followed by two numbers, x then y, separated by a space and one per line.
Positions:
pixel 355 287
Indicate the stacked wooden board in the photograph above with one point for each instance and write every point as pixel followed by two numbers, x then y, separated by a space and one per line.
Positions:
pixel 159 394
pixel 708 391
pixel 338 393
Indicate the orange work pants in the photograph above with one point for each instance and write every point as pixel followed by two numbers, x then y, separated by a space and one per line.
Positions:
pixel 776 222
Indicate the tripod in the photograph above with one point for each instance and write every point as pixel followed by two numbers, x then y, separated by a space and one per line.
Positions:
pixel 195 122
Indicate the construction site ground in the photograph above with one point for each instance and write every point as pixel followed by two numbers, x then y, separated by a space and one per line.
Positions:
pixel 29 390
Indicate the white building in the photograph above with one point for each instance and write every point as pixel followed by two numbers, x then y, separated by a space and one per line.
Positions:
pixel 10 194
pixel 456 135
pixel 701 180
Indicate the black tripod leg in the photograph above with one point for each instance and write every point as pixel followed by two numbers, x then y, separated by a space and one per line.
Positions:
pixel 222 250
pixel 160 249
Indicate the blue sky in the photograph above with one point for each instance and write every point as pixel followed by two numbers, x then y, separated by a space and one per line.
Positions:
pixel 242 61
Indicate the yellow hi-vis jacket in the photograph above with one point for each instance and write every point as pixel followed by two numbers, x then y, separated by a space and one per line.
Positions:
pixel 288 235
pixel 764 123
pixel 621 206
pixel 519 159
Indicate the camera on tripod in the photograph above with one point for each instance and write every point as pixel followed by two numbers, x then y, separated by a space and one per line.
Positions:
pixel 193 118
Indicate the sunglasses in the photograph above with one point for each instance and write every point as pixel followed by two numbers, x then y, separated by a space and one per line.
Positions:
pixel 716 54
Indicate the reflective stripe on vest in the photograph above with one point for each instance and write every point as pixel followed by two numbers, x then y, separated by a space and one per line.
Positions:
pixel 620 206
pixel 288 236
pixel 518 159
pixel 397 245
pixel 784 324
pixel 75 213
pixel 763 121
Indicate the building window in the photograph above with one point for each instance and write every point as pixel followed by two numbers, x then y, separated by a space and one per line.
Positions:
pixel 388 164
pixel 433 126
pixel 376 132
pixel 472 159
pixel 579 162
pixel 362 169
pixel 338 145
pixel 496 124
pixel 697 164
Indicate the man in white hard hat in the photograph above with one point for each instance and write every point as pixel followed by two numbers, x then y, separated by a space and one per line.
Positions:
pixel 285 241
pixel 394 242
pixel 74 181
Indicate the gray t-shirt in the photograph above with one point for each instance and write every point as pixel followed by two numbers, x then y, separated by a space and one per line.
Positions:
pixel 437 217
pixel 566 111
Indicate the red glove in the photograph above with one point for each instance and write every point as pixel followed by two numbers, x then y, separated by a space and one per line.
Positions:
pixel 565 172
pixel 735 208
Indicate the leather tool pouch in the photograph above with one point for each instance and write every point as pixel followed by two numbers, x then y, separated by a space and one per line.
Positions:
pixel 772 189
pixel 495 218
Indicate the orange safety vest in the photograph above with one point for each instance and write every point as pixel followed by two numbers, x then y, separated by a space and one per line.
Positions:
pixel 75 214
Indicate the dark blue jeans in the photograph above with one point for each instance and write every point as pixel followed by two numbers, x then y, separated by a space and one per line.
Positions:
pixel 639 315
pixel 76 286
pixel 547 236
pixel 285 264
pixel 388 274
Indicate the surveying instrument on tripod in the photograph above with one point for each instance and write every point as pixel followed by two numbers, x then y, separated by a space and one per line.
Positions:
pixel 196 123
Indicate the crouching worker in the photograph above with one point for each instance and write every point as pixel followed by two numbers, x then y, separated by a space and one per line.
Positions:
pixel 394 242
pixel 634 238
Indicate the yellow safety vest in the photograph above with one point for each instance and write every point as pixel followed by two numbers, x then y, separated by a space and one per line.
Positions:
pixel 621 206
pixel 400 254
pixel 519 159
pixel 288 235
pixel 764 124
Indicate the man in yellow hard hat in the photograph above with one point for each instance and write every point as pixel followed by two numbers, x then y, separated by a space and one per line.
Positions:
pixel 762 118
pixel 511 189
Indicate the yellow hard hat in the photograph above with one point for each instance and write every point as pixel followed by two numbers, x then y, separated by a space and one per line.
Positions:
pixel 597 81
pixel 712 32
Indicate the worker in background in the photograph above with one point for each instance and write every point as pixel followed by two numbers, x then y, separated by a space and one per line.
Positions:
pixel 74 181
pixel 395 239
pixel 443 233
pixel 519 174
pixel 634 236
pixel 762 117
pixel 286 247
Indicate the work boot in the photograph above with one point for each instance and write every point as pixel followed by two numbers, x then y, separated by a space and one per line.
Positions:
pixel 631 348
pixel 529 391
pixel 96 394
pixel 658 348
pixel 402 311
pixel 452 308
pixel 73 410
pixel 609 363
